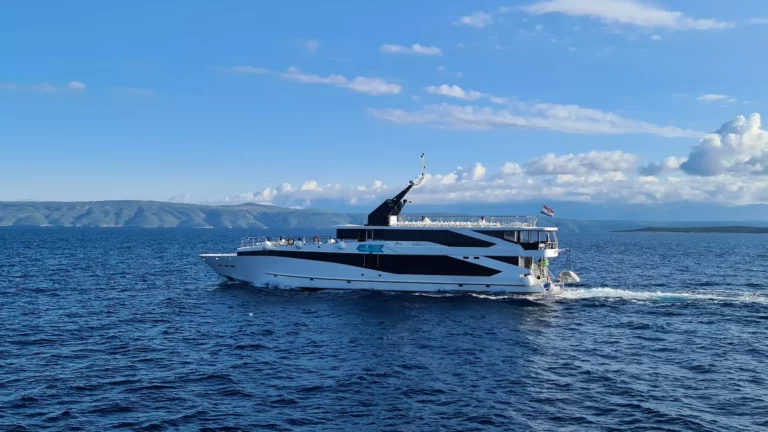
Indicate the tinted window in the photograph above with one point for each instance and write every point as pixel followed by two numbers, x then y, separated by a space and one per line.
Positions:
pixel 441 265
pixel 441 237
pixel 510 236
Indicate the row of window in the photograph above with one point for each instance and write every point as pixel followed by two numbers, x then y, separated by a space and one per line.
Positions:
pixel 524 236
pixel 441 237
pixel 447 237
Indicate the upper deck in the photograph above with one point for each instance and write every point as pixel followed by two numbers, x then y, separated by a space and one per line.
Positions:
pixel 484 222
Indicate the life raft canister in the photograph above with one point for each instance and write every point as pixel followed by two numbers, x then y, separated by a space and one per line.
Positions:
pixel 316 239
pixel 290 241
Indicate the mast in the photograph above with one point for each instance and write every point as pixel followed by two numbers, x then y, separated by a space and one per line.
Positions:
pixel 393 206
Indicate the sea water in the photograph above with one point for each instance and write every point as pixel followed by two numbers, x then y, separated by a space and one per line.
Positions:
pixel 128 328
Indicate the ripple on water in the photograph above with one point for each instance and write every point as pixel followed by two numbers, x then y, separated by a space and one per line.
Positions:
pixel 127 329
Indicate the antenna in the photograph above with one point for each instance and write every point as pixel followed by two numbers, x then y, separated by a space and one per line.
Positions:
pixel 423 172
pixel 381 216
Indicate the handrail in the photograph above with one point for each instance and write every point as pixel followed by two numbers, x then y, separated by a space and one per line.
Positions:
pixel 468 221
pixel 258 242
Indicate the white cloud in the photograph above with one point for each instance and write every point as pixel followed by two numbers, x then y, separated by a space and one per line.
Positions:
pixel 182 199
pixel 141 91
pixel 413 49
pixel 713 97
pixel 538 27
pixel 76 86
pixel 739 147
pixel 499 100
pixel 443 71
pixel 655 37
pixel 562 118
pixel 476 19
pixel 368 85
pixel 474 172
pixel 133 90
pixel 614 187
pixel 72 86
pixel 668 165
pixel 252 70
pixel 759 20
pixel 511 169
pixel 266 196
pixel 601 162
pixel 312 46
pixel 728 167
pixel 310 185
pixel 450 178
pixel 630 12
pixel 454 91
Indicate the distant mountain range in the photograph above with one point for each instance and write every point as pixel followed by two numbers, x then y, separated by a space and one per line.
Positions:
pixel 154 214
pixel 716 229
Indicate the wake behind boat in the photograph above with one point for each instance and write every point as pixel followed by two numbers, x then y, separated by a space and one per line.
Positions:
pixel 394 252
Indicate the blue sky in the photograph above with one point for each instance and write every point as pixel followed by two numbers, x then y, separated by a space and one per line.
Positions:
pixel 229 101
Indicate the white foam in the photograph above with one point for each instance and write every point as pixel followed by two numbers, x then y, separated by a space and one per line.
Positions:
pixel 658 296
pixel 491 297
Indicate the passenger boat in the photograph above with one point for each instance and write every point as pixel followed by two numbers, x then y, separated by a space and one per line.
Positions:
pixel 394 252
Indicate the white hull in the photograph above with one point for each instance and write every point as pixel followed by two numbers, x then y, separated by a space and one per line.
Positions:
pixel 308 274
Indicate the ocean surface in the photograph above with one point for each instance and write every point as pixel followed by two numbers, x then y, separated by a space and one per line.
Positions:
pixel 127 328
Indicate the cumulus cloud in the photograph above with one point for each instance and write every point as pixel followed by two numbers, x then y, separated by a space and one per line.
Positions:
pixel 758 20
pixel 668 165
pixel 629 12
pixel 520 115
pixel 250 70
pixel 739 147
pixel 454 91
pixel 310 186
pixel 368 85
pixel 511 169
pixel 476 19
pixel 413 49
pixel 474 173
pixel 727 167
pixel 599 187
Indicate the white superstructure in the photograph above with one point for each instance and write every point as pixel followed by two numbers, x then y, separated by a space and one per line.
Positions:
pixel 393 252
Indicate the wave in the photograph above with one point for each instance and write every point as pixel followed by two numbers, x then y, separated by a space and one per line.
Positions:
pixel 658 296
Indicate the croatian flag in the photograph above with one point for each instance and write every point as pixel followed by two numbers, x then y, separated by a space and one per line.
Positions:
pixel 547 211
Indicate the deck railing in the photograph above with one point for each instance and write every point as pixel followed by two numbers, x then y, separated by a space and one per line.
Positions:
pixel 468 221
pixel 258 242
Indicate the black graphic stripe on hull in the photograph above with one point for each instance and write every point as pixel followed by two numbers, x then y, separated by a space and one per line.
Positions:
pixel 433 265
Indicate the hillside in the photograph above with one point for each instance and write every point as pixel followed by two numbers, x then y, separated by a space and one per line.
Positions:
pixel 152 214
pixel 716 229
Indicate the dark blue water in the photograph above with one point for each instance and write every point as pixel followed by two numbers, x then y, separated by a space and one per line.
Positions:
pixel 119 328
